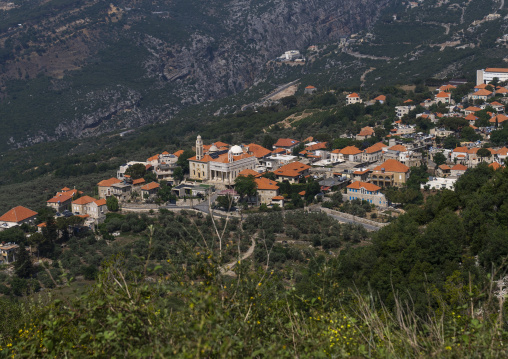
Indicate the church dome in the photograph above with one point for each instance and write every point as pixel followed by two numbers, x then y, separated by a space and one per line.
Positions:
pixel 213 148
pixel 236 150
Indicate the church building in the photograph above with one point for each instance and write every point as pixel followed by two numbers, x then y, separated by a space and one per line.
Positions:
pixel 221 165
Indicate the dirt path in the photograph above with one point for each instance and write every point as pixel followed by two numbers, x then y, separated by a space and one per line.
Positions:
pixel 362 78
pixel 363 56
pixel 227 269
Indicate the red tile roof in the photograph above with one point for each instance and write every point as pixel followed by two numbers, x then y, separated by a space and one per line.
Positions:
pixel 292 169
pixel 310 87
pixel 368 186
pixel 150 186
pixel 18 214
pixel 248 172
pixel 495 166
pixel 444 95
pixel 375 147
pixel 264 183
pixel 108 182
pixel 461 150
pixel 398 148
pixel 473 108
pixel 61 197
pixel 350 150
pixel 500 118
pixel 138 181
pixel 392 165
pixel 257 150
pixel 317 146
pixel 483 92
pixel 178 153
pixel 445 167
pixel 495 69
pixel 100 202
pixel 84 200
pixel 366 131
pixel 286 142
pixel 380 98
pixel 352 95
pixel 278 198
pixel 459 167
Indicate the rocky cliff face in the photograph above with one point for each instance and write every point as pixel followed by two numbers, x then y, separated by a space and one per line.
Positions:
pixel 185 52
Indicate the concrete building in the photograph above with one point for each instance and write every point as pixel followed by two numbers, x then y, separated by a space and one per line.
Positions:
pixel 485 76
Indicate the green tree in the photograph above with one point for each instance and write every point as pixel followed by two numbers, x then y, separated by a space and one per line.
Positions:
pixel 23 266
pixel 226 202
pixel 178 174
pixel 183 160
pixel 268 142
pixel 469 134
pixel 136 171
pixel 112 204
pixel 245 186
pixel 451 142
pixel 439 159
pixel 483 153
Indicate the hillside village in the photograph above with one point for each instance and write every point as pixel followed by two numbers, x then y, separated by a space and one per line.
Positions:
pixel 290 173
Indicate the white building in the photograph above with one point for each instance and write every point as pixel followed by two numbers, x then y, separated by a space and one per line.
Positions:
pixel 440 183
pixel 485 76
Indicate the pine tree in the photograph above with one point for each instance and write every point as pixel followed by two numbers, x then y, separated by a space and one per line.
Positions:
pixel 23 266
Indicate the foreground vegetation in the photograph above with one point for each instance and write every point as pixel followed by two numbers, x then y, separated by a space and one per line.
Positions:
pixel 431 284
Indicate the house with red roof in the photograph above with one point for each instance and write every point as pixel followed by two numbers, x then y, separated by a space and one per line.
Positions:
pixel 266 190
pixel 443 170
pixel 374 153
pixel 90 206
pixel 349 153
pixel 150 189
pixel 353 98
pixel 481 94
pixel 367 192
pixel 459 154
pixel 444 97
pixel 471 110
pixel 498 119
pixel 16 217
pixel 390 173
pixel 381 99
pixel 309 90
pixel 105 187
pixel 458 170
pixel 62 200
pixel 499 107
pixel 292 172
pixel 365 132
pixel 501 154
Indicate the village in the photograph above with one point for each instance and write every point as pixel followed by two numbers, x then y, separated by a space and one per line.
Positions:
pixel 251 176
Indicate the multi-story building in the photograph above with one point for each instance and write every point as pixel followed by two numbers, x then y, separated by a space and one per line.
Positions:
pixel 367 192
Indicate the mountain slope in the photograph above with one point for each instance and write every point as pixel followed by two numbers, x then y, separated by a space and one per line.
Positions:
pixel 74 68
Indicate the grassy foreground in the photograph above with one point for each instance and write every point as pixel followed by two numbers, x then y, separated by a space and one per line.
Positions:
pixel 193 311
